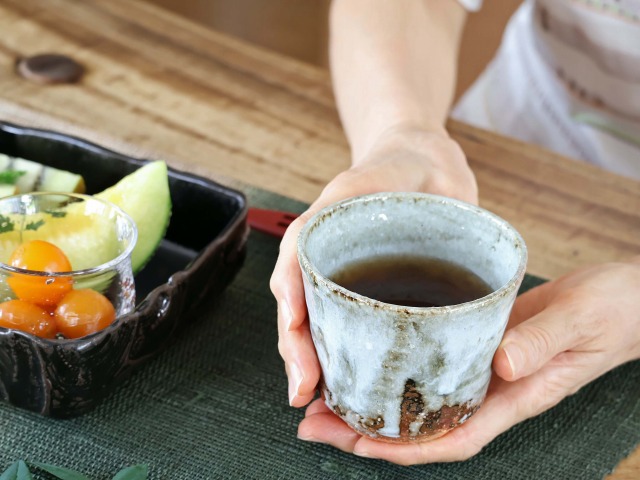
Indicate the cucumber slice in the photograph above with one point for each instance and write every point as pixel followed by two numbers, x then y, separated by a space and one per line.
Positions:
pixel 5 161
pixel 54 180
pixel 32 171
pixel 144 195
pixel 7 190
pixel 35 177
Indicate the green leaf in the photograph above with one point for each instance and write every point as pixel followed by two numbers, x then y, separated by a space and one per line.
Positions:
pixel 34 225
pixel 56 213
pixel 136 472
pixel 17 471
pixel 6 225
pixel 10 473
pixel 23 471
pixel 10 177
pixel 61 473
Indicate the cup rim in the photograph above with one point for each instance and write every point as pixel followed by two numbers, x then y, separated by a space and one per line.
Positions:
pixel 309 267
pixel 85 271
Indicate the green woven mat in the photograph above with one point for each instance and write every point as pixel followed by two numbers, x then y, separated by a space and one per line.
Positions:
pixel 214 405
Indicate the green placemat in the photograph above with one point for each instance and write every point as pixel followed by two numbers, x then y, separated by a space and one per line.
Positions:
pixel 214 405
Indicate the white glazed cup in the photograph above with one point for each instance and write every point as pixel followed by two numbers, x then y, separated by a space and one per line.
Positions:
pixel 397 373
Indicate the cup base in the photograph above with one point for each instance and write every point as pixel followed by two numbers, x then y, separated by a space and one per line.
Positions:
pixel 415 426
pixel 406 440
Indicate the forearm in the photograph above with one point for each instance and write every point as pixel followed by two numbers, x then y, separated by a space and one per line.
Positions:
pixel 393 63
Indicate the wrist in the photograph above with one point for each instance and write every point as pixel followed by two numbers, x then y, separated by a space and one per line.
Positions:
pixel 419 158
pixel 399 135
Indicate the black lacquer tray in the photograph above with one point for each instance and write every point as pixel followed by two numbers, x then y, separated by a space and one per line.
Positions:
pixel 204 247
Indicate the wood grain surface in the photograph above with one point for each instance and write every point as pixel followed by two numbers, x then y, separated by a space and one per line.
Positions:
pixel 158 85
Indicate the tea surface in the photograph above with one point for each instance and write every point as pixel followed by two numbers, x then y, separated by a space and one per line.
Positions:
pixel 412 281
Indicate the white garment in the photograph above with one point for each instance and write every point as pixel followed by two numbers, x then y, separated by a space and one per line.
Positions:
pixel 471 5
pixel 567 77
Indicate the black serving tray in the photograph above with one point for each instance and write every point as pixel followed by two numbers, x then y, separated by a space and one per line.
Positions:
pixel 203 249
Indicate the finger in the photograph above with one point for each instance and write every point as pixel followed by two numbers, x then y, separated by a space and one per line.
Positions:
pixel 294 339
pixel 326 427
pixel 295 344
pixel 527 347
pixel 317 406
pixel 525 307
pixel 286 280
pixel 454 446
pixel 301 363
pixel 295 399
pixel 530 303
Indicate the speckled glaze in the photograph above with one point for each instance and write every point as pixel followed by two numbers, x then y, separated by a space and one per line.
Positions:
pixel 203 249
pixel 396 373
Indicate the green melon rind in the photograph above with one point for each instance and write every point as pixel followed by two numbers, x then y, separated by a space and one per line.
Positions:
pixel 145 196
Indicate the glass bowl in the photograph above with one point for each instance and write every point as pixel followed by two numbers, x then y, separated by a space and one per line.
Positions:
pixel 96 236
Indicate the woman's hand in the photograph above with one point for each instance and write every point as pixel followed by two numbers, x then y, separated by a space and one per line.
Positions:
pixel 561 336
pixel 403 159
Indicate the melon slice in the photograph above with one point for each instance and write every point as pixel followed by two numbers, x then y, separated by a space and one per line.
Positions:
pixel 145 196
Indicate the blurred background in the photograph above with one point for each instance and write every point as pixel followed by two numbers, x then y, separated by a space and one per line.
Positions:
pixel 298 28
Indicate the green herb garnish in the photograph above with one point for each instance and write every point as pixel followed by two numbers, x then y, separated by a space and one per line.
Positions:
pixel 10 177
pixel 6 225
pixel 56 213
pixel 34 225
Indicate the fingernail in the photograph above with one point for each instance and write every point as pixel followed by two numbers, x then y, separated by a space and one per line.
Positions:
pixel 362 453
pixel 287 314
pixel 309 438
pixel 513 354
pixel 295 380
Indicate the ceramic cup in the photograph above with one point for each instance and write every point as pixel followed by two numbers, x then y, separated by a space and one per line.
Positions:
pixel 399 373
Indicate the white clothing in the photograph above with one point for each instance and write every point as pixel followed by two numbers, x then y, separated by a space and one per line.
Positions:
pixel 567 77
pixel 471 5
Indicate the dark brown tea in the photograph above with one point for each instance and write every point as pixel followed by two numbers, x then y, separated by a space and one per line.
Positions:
pixel 412 281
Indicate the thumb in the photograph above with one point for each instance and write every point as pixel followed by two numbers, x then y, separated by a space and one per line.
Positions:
pixel 527 347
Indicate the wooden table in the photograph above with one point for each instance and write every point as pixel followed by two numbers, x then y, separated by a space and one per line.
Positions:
pixel 162 86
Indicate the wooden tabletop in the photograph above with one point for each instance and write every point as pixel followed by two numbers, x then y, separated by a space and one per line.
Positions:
pixel 161 86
